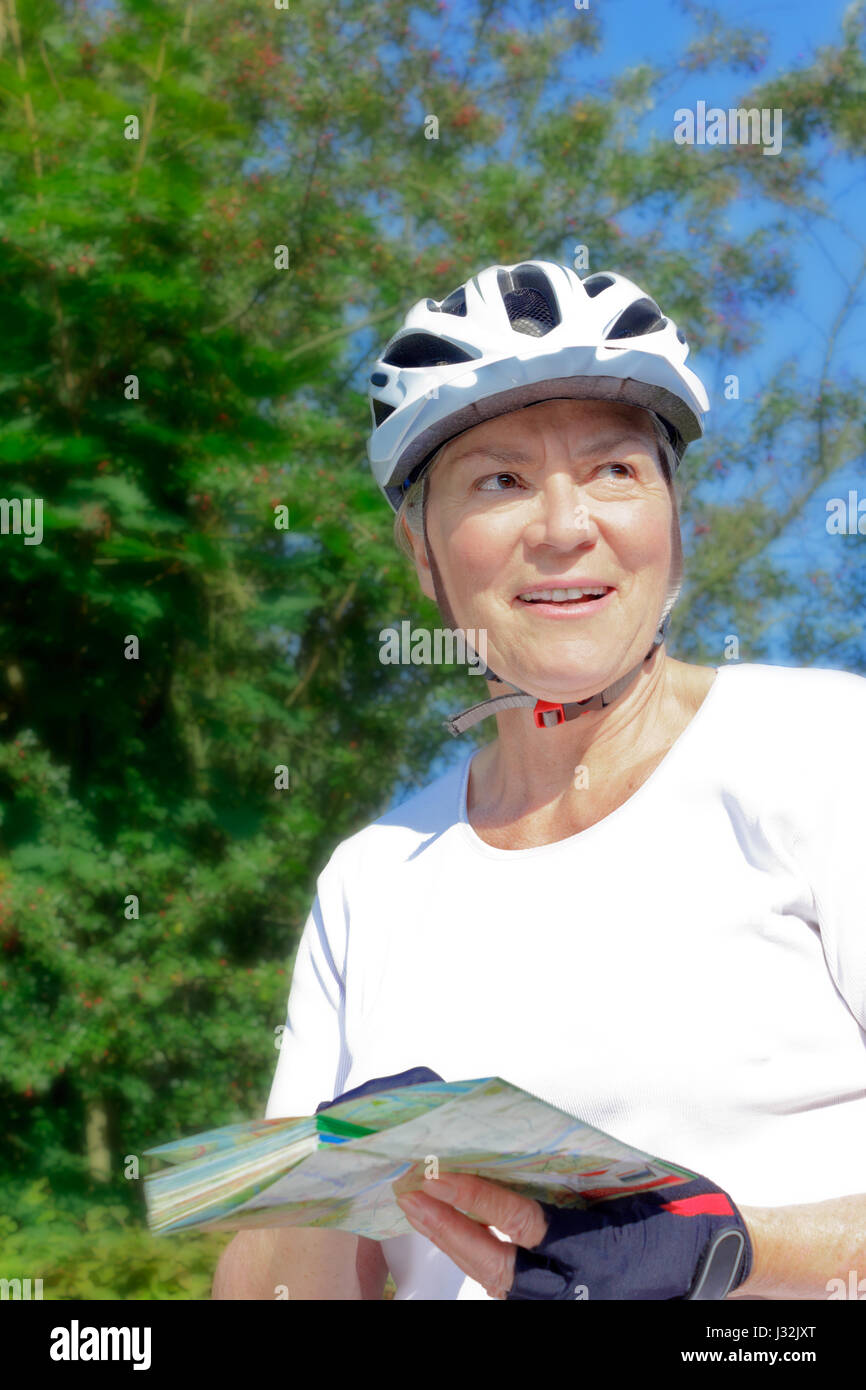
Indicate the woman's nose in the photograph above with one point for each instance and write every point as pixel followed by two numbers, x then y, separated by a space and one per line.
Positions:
pixel 562 518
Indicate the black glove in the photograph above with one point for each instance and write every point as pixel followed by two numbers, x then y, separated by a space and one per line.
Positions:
pixel 690 1242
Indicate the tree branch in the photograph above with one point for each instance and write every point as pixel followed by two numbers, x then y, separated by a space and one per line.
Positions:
pixel 317 656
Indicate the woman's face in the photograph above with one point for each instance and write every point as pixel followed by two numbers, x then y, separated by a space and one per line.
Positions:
pixel 560 494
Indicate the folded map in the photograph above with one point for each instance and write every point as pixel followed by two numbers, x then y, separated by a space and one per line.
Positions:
pixel 336 1168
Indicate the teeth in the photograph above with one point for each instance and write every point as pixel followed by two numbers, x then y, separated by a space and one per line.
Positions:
pixel 559 595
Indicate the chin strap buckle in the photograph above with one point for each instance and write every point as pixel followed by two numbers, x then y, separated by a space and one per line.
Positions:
pixel 547 714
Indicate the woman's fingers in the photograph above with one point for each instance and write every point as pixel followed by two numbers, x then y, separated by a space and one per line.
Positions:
pixel 519 1218
pixel 464 1238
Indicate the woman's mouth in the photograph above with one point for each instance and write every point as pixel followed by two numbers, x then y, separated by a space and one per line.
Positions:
pixel 566 603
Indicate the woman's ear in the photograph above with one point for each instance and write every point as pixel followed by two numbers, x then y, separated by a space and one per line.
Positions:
pixel 422 564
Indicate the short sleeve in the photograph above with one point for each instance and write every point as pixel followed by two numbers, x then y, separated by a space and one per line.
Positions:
pixel 833 848
pixel 310 1066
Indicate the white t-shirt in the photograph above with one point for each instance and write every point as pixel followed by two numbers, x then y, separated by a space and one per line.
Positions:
pixel 688 974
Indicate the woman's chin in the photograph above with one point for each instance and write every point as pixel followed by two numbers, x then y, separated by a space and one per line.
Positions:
pixel 560 689
pixel 596 670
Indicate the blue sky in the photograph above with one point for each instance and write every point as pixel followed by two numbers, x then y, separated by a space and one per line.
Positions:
pixel 637 32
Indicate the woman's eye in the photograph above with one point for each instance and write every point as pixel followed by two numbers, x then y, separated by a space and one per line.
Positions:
pixel 507 482
pixel 483 486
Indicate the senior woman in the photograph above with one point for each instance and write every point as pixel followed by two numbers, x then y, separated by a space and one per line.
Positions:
pixel 644 901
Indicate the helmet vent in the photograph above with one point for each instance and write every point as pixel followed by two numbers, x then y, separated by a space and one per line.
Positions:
pixel 594 284
pixel 424 350
pixel 644 316
pixel 529 301
pixel 381 411
pixel 455 303
pixel 529 312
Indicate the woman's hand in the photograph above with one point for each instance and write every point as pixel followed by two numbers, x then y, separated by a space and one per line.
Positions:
pixel 686 1242
pixel 431 1205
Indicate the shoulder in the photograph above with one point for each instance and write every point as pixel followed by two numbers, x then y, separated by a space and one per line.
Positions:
pixel 398 835
pixel 798 728
pixel 794 692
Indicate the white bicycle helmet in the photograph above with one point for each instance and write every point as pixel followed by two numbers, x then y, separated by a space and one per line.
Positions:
pixel 513 336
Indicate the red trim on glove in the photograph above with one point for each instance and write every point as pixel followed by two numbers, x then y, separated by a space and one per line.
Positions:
pixel 713 1204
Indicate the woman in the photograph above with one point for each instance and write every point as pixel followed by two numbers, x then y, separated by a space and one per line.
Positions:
pixel 643 902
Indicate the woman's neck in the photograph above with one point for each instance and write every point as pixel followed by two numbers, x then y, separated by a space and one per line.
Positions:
pixel 560 778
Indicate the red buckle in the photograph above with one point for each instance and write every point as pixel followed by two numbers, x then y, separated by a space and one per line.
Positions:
pixel 542 707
